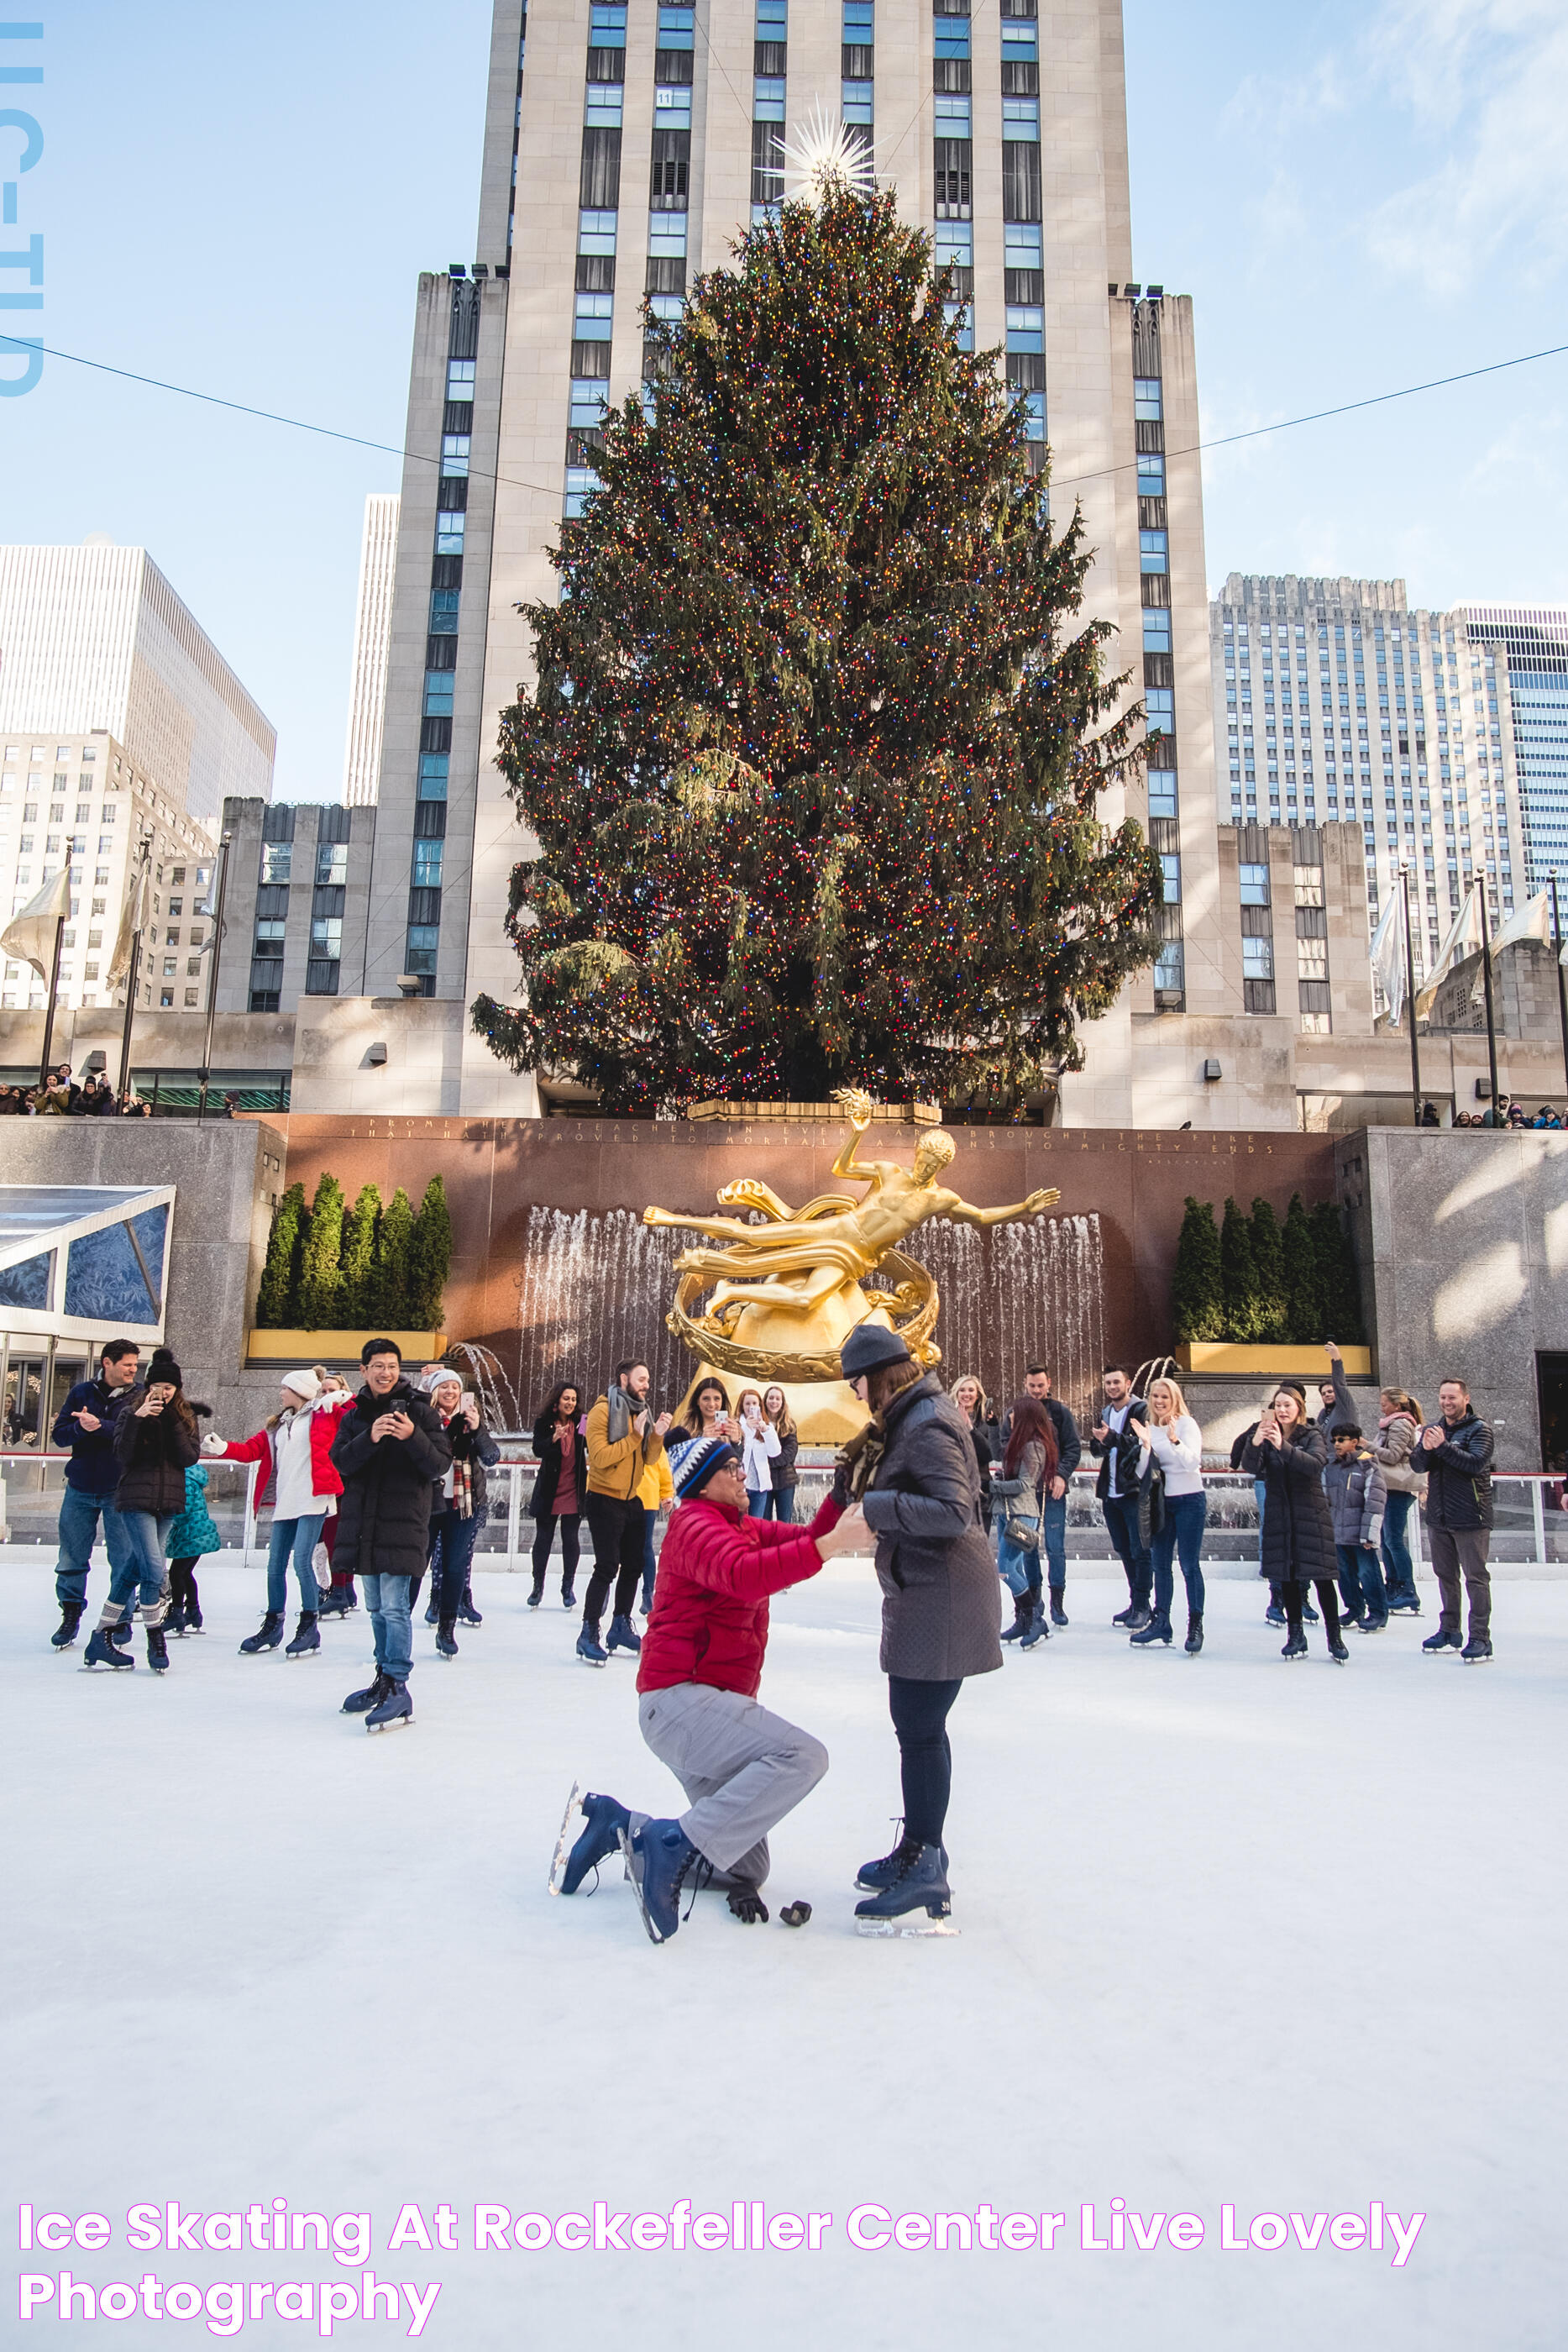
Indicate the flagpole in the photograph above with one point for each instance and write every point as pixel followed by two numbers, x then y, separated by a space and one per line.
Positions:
pixel 1561 983
pixel 217 903
pixel 1410 1001
pixel 55 982
pixel 133 975
pixel 1481 887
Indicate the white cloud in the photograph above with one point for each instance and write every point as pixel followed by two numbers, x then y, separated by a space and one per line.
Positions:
pixel 1487 81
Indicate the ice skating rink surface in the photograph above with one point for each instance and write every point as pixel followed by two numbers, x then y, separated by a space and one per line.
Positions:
pixel 1234 1933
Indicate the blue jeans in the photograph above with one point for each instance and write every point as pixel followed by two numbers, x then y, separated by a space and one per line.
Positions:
pixel 79 1514
pixel 650 1557
pixel 781 1502
pixel 143 1564
pixel 452 1541
pixel 1053 1540
pixel 1260 1491
pixel 1361 1572
pixel 298 1538
pixel 1127 1542
pixel 757 1501
pixel 1398 1565
pixel 392 1621
pixel 1018 1565
pixel 1182 1534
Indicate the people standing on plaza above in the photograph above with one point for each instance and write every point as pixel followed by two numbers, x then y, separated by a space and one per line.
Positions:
pixel 1117 1451
pixel 1455 1453
pixel 742 1768
pixel 1398 1427
pixel 1053 1503
pixel 1021 1484
pixel 193 1533
pixel 1172 1442
pixel 1353 1484
pixel 782 1499
pixel 156 1442
pixel 624 1436
pixel 984 1433
pixel 760 1449
pixel 295 1451
pixel 560 1488
pixel 913 1471
pixel 1290 1454
pixel 458 1510
pixel 391 1453
pixel 85 1423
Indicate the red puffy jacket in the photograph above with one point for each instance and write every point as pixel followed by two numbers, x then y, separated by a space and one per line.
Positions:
pixel 710 1604
pixel 326 1418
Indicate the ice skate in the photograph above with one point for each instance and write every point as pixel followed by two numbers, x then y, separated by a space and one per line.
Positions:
pixel 661 1858
pixel 1476 1651
pixel 102 1650
pixel 65 1633
pixel 558 1859
pixel 306 1642
pixel 445 1639
pixel 1023 1618
pixel 466 1613
pixel 606 1819
pixel 872 1877
pixel 360 1702
pixel 157 1650
pixel 1057 1613
pixel 267 1635
pixel 1296 1647
pixel 396 1707
pixel 623 1635
pixel 589 1649
pixel 920 1886
pixel 1443 1639
pixel 1194 1642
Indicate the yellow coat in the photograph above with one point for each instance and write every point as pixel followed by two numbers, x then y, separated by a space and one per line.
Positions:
pixel 658 1485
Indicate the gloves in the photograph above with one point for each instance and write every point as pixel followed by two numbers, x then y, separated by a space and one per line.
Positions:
pixel 214 1444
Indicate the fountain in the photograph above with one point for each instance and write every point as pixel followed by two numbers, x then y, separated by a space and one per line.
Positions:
pixel 595 1290
pixel 502 1413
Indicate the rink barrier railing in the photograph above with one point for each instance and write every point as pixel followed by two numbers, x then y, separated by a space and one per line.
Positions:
pixel 1527 1534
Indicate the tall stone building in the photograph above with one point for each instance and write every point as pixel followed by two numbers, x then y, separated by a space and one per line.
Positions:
pixel 372 638
pixel 625 149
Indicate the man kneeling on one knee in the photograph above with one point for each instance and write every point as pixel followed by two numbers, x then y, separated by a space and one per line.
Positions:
pixel 742 1768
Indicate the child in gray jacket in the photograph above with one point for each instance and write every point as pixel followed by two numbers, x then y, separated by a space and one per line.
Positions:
pixel 1354 1485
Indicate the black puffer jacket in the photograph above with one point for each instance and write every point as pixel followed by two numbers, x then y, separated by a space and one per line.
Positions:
pixel 940 1615
pixel 1458 1474
pixel 383 1513
pixel 154 1455
pixel 1298 1532
pixel 479 1450
pixel 541 1502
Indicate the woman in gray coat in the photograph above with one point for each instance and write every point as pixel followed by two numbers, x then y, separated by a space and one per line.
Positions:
pixel 914 1471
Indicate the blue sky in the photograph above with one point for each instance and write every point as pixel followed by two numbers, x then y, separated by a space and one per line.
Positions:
pixel 1356 198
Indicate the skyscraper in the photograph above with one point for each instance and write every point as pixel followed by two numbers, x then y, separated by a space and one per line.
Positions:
pixel 1529 648
pixel 626 147
pixel 93 638
pixel 372 638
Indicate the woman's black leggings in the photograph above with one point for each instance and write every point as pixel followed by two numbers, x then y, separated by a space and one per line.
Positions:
pixel 182 1582
pixel 920 1712
pixel 1328 1602
pixel 544 1534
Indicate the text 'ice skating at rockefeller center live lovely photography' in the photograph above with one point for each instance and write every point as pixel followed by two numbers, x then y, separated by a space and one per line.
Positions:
pixel 784 1176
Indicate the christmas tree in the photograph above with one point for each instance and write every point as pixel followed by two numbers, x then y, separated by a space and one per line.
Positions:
pixel 814 754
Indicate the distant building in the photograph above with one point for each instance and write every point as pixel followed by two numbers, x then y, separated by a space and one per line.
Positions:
pixel 85 796
pixel 373 641
pixel 1336 703
pixel 93 639
pixel 1531 647
pixel 296 903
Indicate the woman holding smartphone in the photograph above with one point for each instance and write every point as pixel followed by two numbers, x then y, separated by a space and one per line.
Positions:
pixel 760 1448
pixel 708 1414
pixel 560 1450
pixel 776 1405
pixel 1290 1455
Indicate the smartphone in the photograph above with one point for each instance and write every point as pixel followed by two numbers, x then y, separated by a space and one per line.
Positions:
pixel 468 1398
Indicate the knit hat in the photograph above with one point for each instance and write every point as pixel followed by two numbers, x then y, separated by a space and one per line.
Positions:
pixel 868 1347
pixel 693 1463
pixel 164 1368
pixel 303 1384
pixel 439 1378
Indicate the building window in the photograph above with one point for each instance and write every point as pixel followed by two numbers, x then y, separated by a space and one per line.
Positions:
pixel 1020 181
pixel 600 177
pixel 432 772
pixel 767 163
pixel 1254 886
pixel 1170 876
pixel 953 159
pixel 1148 405
pixel 427 858
pixel 438 688
pixel 331 862
pixel 264 1000
pixel 423 938
pixel 670 171
pixel 269 938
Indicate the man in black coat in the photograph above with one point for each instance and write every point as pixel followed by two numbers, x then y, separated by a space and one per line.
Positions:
pixel 1116 1450
pixel 1053 1503
pixel 1455 1453
pixel 391 1453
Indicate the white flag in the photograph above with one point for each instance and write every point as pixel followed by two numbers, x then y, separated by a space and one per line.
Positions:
pixel 1388 956
pixel 30 935
pixel 132 918
pixel 1463 942
pixel 1534 921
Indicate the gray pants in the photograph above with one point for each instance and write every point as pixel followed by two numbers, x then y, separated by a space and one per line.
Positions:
pixel 1457 1550
pixel 742 1768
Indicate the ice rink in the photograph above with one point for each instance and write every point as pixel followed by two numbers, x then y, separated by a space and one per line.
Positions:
pixel 1283 1938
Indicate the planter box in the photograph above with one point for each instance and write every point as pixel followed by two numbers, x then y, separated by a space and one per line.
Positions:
pixel 1278 1361
pixel 339 1346
pixel 918 1114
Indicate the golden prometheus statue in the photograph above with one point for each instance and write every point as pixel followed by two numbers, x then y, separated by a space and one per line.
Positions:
pixel 787 1293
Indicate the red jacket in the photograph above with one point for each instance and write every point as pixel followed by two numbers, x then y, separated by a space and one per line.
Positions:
pixel 324 1425
pixel 710 1604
